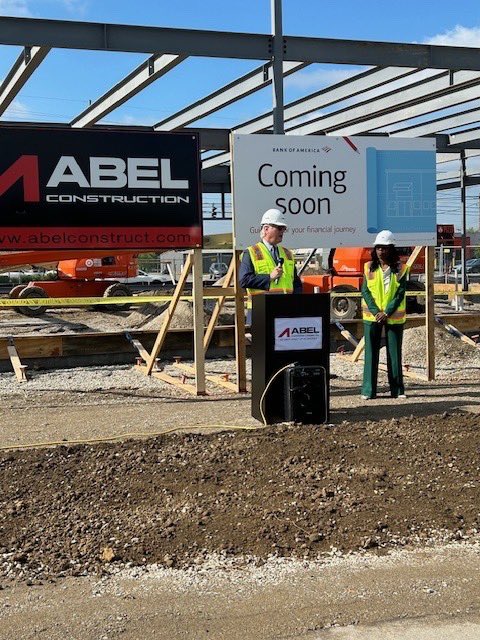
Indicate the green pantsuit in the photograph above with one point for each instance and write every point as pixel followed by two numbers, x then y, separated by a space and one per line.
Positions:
pixel 373 337
pixel 383 293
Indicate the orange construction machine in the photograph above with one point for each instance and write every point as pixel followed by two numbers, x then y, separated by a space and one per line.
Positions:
pixel 78 275
pixel 345 275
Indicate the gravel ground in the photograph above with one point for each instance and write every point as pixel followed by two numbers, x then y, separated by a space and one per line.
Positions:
pixel 302 522
pixel 284 490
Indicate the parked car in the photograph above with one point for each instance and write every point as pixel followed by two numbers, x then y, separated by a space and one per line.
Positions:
pixel 472 270
pixel 142 277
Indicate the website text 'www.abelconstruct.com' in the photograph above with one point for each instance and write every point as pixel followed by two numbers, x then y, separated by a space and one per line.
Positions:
pixel 94 238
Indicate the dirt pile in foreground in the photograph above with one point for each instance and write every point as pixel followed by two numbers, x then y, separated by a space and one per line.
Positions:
pixel 284 490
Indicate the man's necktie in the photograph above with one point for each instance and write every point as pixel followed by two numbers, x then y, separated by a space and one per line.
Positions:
pixel 275 255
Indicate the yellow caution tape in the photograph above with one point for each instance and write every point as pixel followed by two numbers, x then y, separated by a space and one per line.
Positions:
pixel 82 302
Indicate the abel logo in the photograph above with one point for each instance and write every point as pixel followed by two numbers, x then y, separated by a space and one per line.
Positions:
pixel 298 334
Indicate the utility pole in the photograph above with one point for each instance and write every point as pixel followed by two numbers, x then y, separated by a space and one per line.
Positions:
pixel 277 66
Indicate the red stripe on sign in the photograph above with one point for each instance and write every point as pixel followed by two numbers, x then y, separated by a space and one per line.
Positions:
pixel 134 238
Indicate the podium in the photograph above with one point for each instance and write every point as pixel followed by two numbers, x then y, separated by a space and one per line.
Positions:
pixel 291 358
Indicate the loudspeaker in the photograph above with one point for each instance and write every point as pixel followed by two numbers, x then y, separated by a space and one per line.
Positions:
pixel 306 394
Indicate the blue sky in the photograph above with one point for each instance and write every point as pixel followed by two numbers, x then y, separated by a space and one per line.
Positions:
pixel 67 80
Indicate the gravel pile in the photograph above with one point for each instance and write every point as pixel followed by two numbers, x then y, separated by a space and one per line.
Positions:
pixel 450 352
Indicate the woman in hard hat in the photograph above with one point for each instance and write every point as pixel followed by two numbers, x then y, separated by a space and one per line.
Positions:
pixel 384 305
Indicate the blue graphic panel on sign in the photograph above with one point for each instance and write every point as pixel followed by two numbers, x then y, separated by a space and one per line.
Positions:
pixel 401 191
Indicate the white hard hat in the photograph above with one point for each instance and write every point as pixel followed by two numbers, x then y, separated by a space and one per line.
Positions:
pixel 384 237
pixel 273 216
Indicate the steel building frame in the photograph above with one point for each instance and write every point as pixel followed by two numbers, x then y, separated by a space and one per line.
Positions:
pixel 409 82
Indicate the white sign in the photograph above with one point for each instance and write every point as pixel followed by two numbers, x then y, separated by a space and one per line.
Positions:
pixel 298 334
pixel 335 191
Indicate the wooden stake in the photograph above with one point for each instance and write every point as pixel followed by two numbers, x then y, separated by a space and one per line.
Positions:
pixel 218 306
pixel 198 350
pixel 346 334
pixel 169 314
pixel 456 332
pixel 240 346
pixel 429 312
pixel 19 368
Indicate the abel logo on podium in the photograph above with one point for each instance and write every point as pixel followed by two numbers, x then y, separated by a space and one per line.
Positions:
pixel 298 334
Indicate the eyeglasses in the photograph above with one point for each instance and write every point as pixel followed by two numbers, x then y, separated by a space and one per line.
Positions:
pixel 277 226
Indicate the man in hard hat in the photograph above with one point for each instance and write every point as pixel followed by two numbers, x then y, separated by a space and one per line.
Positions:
pixel 384 306
pixel 267 267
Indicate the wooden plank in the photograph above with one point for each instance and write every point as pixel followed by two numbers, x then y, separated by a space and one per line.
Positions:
pixel 219 292
pixel 346 334
pixel 34 347
pixel 211 378
pixel 18 367
pixel 413 256
pixel 170 379
pixel 240 344
pixel 198 318
pixel 406 372
pixel 169 313
pixel 456 332
pixel 358 350
pixel 138 346
pixel 218 306
pixel 429 312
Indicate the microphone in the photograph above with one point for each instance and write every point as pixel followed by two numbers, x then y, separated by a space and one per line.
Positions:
pixel 279 264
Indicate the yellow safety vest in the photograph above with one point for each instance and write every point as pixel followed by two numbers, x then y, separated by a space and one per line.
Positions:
pixel 374 280
pixel 263 263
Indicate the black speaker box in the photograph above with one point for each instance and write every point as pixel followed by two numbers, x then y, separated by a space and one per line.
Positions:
pixel 306 394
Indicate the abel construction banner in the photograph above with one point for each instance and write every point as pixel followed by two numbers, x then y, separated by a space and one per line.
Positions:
pixel 98 189
pixel 335 191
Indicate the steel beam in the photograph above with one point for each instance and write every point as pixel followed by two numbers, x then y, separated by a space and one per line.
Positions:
pixel 388 54
pixel 141 77
pixel 464 137
pixel 471 116
pixel 236 90
pixel 469 181
pixel 421 97
pixel 99 36
pixel 20 72
pixel 371 79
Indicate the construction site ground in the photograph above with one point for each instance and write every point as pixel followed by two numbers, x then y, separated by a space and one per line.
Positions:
pixel 366 525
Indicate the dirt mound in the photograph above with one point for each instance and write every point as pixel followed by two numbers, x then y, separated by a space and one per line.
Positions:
pixel 288 491
pixel 151 316
pixel 449 351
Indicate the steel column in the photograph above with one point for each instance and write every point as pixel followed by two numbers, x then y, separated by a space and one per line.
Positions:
pixel 277 63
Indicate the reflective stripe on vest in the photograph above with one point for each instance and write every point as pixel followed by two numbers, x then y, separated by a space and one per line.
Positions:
pixel 264 264
pixel 374 280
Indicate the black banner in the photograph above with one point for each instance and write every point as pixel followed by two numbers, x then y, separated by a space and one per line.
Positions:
pixel 72 188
